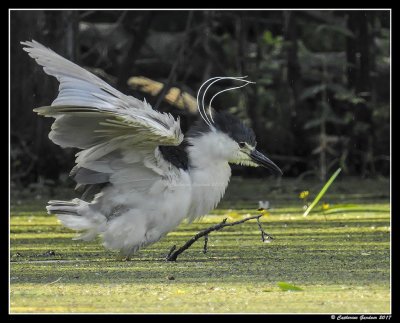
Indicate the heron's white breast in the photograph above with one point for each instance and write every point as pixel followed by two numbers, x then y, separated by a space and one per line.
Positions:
pixel 209 171
pixel 208 187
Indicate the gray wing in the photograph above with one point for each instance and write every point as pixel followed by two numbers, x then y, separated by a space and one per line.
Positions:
pixel 115 132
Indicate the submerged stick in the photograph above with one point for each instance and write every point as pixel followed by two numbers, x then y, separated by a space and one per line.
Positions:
pixel 173 255
pixel 205 243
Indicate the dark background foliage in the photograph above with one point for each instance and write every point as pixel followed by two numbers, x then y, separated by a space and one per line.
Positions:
pixel 321 98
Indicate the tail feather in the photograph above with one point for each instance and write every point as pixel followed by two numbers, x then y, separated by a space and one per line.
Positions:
pixel 77 215
pixel 64 207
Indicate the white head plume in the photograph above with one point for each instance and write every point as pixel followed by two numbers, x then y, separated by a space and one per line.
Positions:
pixel 210 82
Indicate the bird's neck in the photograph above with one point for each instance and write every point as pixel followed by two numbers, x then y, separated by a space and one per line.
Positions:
pixel 209 175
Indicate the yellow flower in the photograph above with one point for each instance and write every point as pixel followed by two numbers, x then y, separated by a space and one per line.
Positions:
pixel 304 194
pixel 263 211
pixel 325 206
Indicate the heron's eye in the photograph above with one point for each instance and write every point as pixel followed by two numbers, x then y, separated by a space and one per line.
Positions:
pixel 242 144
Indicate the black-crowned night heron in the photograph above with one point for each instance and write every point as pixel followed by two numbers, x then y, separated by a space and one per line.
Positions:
pixel 151 176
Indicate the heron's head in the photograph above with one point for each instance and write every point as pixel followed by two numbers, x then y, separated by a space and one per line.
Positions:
pixel 239 144
pixel 224 137
pixel 228 139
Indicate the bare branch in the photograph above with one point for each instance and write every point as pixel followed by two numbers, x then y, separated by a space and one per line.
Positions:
pixel 204 233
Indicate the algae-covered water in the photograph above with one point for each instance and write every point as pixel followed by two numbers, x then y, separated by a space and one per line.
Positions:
pixel 338 258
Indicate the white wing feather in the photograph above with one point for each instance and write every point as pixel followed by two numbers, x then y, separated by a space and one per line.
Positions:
pixel 115 132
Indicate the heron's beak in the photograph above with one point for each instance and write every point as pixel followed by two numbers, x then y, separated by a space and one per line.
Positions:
pixel 261 160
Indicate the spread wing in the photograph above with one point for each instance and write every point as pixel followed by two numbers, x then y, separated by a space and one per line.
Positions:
pixel 118 135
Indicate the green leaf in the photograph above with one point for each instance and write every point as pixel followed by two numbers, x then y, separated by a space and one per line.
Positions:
pixel 268 37
pixel 313 123
pixel 288 287
pixel 343 206
pixel 322 192
pixel 339 29
pixel 311 91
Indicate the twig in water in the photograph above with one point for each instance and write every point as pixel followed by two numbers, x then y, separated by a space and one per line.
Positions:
pixel 263 233
pixel 173 255
pixel 205 243
pixel 170 252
